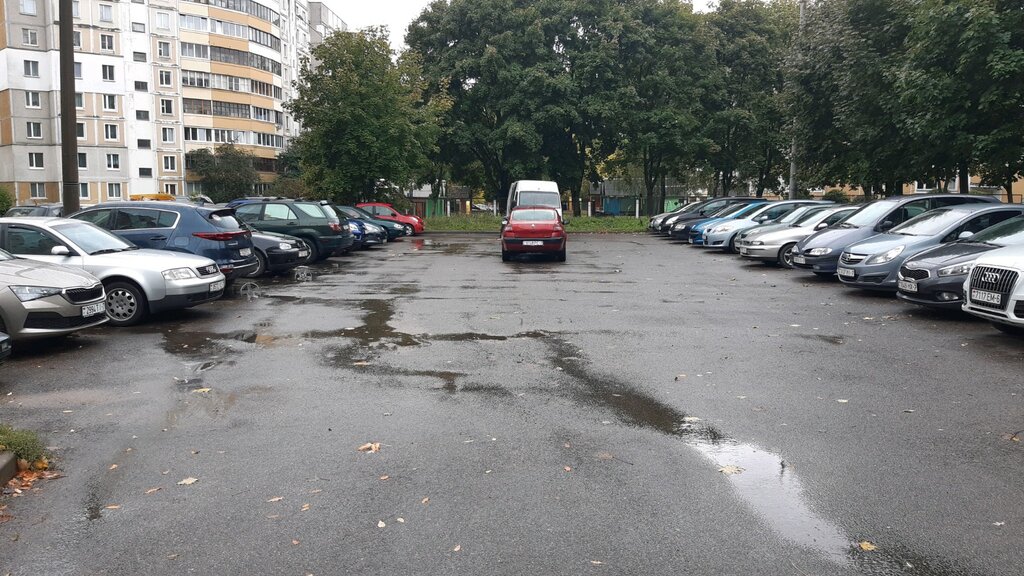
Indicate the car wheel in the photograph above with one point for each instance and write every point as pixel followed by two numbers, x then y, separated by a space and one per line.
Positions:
pixel 561 256
pixel 786 255
pixel 261 266
pixel 314 252
pixel 732 244
pixel 126 305
pixel 1008 329
pixel 505 256
pixel 409 231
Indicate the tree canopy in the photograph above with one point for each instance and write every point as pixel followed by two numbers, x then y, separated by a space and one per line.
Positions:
pixel 226 173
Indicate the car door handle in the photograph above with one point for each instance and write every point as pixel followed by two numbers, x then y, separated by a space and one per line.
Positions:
pixel 156 238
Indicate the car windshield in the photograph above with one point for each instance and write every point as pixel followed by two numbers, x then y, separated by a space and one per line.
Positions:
pixel 792 215
pixel 534 215
pixel 805 217
pixel 92 239
pixel 930 223
pixel 22 211
pixel 539 199
pixel 357 212
pixel 868 215
pixel 728 210
pixel 224 219
pixel 1006 233
pixel 747 211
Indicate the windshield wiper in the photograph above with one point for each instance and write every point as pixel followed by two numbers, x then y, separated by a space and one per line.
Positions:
pixel 104 251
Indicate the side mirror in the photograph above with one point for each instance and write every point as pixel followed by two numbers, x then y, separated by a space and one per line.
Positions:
pixel 504 221
pixel 886 226
pixel 965 235
pixel 60 251
pixel 761 219
pixel 821 226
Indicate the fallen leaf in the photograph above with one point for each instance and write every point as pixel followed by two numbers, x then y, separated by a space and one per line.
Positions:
pixel 305 507
pixel 568 468
pixel 597 562
pixel 276 499
pixel 315 491
pixel 730 470
pixel 680 376
pixel 457 548
pixel 385 477
pixel 381 524
pixel 152 490
pixel 188 481
pixel 112 466
pixel 908 411
pixel 425 500
pixel 567 445
pixel 370 447
pixel 400 520
pixel 361 363
pixel 867 546
pixel 999 523
pixel 113 507
pixel 295 542
pixel 842 401
pixel 172 556
pixel 201 390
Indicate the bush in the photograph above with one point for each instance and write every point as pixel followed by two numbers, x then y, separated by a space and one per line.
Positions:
pixel 25 444
pixel 6 200
pixel 837 196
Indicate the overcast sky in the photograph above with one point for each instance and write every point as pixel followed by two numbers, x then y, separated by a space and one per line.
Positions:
pixel 397 14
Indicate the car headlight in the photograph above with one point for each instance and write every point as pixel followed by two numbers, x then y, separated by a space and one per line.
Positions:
pixel 955 270
pixel 757 243
pixel 886 256
pixel 29 293
pixel 286 246
pixel 819 251
pixel 678 226
pixel 178 274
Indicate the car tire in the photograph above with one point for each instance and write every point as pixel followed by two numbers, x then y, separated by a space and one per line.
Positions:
pixel 505 256
pixel 1008 329
pixel 314 251
pixel 261 265
pixel 409 230
pixel 732 245
pixel 560 256
pixel 786 255
pixel 126 304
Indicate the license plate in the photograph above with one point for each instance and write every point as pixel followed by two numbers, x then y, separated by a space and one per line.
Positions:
pixel 93 309
pixel 987 297
pixel 303 253
pixel 533 242
pixel 906 285
pixel 743 251
pixel 846 272
pixel 217 286
pixel 245 251
pixel 799 259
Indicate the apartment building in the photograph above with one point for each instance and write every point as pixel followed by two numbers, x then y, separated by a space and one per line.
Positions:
pixel 155 79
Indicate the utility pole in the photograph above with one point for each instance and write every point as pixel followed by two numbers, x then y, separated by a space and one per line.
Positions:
pixel 68 112
pixel 792 148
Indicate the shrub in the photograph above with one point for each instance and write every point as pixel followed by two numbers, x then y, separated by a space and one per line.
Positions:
pixel 6 200
pixel 25 444
pixel 837 196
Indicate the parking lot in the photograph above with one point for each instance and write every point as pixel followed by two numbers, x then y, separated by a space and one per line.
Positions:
pixel 643 408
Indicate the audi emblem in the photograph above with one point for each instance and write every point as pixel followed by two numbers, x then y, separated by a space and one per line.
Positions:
pixel 990 277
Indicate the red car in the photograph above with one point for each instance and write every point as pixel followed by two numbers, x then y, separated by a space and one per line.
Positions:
pixel 413 224
pixel 533 229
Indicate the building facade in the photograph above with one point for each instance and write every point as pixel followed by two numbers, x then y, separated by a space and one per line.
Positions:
pixel 155 79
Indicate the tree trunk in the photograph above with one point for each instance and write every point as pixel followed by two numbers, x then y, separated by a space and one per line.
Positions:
pixel 661 203
pixel 714 185
pixel 727 178
pixel 892 188
pixel 964 186
pixel 1008 185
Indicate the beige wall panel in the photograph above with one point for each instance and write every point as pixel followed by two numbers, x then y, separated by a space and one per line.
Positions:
pixel 228 123
pixel 229 42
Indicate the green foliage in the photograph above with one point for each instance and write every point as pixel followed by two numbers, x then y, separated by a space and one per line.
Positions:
pixel 365 119
pixel 226 173
pixel 837 196
pixel 24 443
pixel 6 200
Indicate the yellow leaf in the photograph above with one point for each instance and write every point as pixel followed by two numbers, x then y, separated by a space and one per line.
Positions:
pixel 201 390
pixel 276 499
pixel 305 507
pixel 370 447
pixel 867 546
pixel 400 520
pixel 188 481
pixel 730 470
pixel 113 507
pixel 112 466
pixel 425 500
pixel 385 477
pixel 152 490
pixel 381 524
pixel 457 548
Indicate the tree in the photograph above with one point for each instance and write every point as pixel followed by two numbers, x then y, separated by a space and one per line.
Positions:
pixel 6 200
pixel 365 118
pixel 226 173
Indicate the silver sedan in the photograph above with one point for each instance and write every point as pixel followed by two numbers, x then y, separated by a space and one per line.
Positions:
pixel 775 243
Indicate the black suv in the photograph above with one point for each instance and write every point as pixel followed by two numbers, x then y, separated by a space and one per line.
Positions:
pixel 314 222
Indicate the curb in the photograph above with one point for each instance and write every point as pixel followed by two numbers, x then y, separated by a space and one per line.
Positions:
pixel 8 467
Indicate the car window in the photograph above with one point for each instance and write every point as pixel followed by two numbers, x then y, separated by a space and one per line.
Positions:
pixel 1007 233
pixel 981 222
pixel 539 199
pixel 135 219
pixel 100 217
pixel 953 201
pixel 906 212
pixel 776 212
pixel 311 210
pixel 166 219
pixel 90 238
pixel 249 212
pixel 929 223
pixel 797 219
pixel 273 212
pixel 24 240
pixel 224 219
pixel 839 216
pixel 714 206
pixel 533 215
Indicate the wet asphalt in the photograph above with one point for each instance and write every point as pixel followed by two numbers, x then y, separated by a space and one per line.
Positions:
pixel 644 408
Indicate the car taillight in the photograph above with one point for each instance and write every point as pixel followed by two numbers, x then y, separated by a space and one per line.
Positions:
pixel 221 236
pixel 335 226
pixel 509 234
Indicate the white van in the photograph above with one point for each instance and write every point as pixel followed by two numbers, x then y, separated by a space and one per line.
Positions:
pixel 534 193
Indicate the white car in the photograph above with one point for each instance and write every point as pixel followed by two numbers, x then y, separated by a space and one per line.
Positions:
pixel 994 290
pixel 138 281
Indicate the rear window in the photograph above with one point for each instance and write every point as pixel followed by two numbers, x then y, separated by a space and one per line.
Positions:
pixel 311 210
pixel 540 199
pixel 538 215
pixel 224 219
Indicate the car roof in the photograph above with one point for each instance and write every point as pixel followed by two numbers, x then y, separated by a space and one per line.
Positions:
pixel 32 219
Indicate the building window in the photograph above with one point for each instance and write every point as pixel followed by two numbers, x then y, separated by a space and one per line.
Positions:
pixel 35 159
pixel 31 69
pixel 113 161
pixel 163 21
pixel 138 27
pixel 145 172
pixel 80 130
pixel 144 144
pixel 167 135
pixel 79 100
pixel 106 13
pixel 76 39
pixel 110 102
pixel 37 190
pixel 83 190
pixel 113 190
pixel 166 107
pixel 108 72
pixel 35 129
pixel 139 56
pixel 78 70
pixel 107 42
pixel 29 37
pixel 170 163
pixel 163 49
pixel 142 114
pixel 142 86
pixel 171 189
pixel 83 161
pixel 32 100
pixel 165 78
pixel 28 7
pixel 191 50
pixel 110 131
pixel 76 9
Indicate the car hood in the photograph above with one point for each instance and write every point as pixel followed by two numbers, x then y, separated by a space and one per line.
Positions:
pixel 835 238
pixel 704 224
pixel 762 229
pixel 34 273
pixel 146 259
pixel 784 234
pixel 1008 257
pixel 884 242
pixel 948 255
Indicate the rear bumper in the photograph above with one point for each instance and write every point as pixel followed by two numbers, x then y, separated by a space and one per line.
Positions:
pixel 280 260
pixel 237 268
pixel 547 245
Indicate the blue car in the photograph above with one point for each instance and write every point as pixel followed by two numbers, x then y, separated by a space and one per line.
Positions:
pixel 208 231
pixel 697 232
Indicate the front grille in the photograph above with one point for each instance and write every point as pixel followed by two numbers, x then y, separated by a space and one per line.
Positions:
pixel 913 273
pixel 207 270
pixel 848 258
pixel 54 321
pixel 83 295
pixel 998 280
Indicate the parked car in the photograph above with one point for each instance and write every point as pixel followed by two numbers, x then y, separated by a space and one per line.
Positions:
pixel 819 252
pixel 533 229
pixel 367 234
pixel 775 242
pixel 138 281
pixel 313 221
pixel 5 347
pixel 387 212
pixel 56 209
pixel 209 231
pixel 683 225
pixel 394 229
pixel 41 300
pixel 994 290
pixel 663 225
pixel 935 278
pixel 724 234
pixel 275 253
pixel 874 264
pixel 697 231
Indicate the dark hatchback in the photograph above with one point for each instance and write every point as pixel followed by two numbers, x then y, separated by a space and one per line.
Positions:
pixel 394 229
pixel 663 223
pixel 315 222
pixel 208 231
pixel 935 278
pixel 683 228
pixel 276 253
